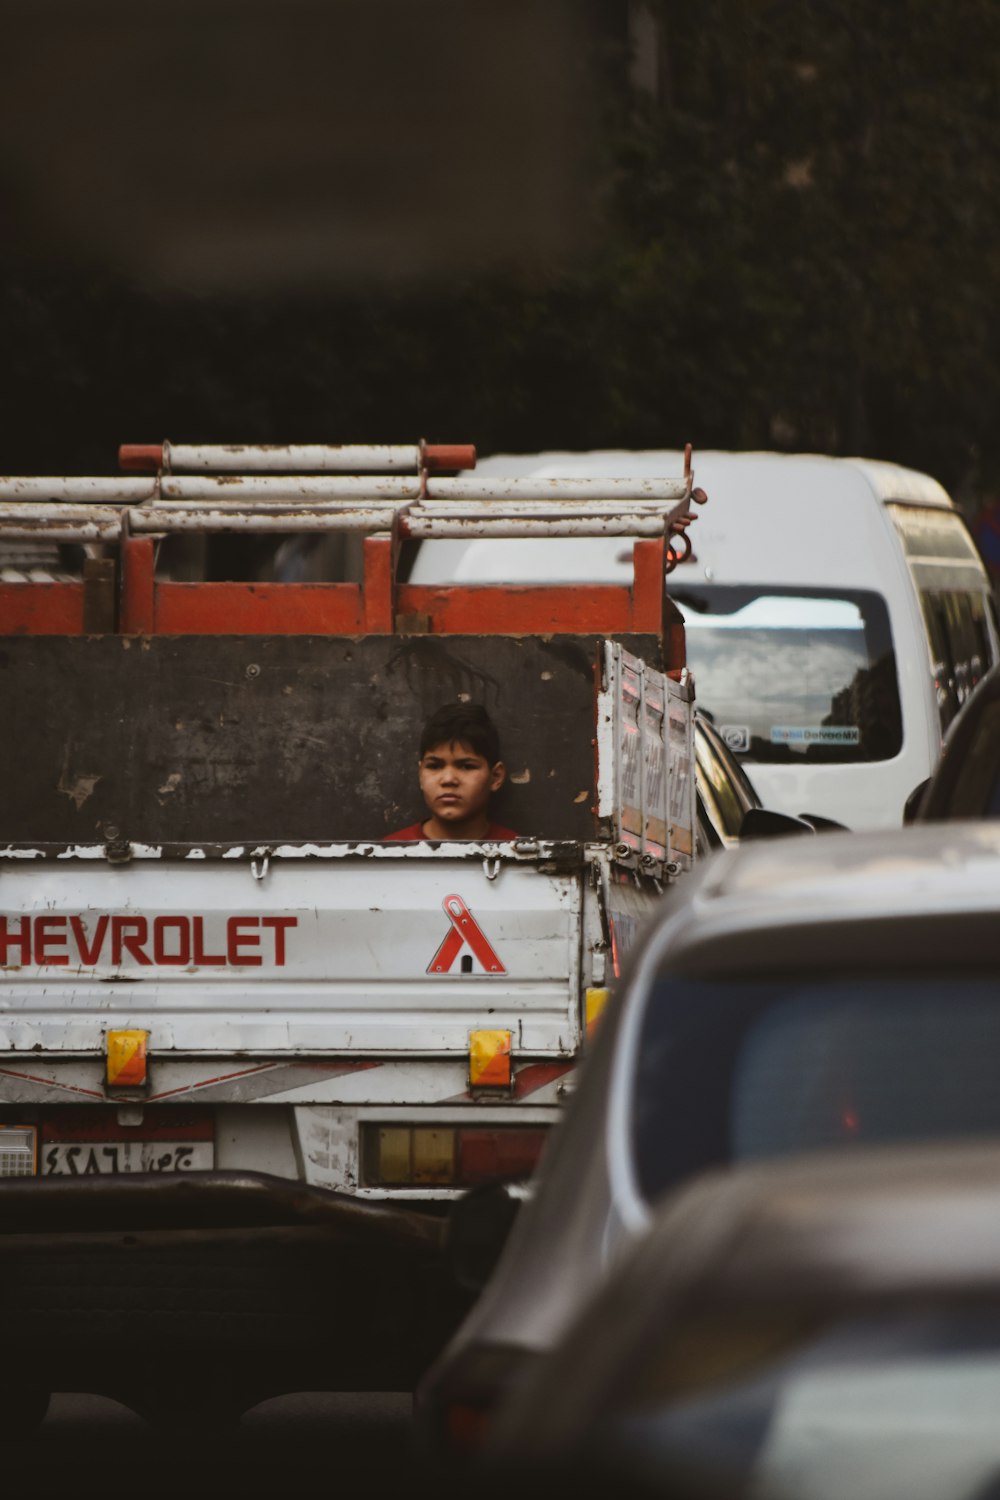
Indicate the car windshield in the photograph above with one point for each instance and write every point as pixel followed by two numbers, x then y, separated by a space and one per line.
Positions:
pixel 730 1071
pixel 795 674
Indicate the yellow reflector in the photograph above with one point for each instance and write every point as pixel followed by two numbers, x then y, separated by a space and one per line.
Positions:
pixel 433 1156
pixel 596 1000
pixel 489 1058
pixel 394 1153
pixel 127 1058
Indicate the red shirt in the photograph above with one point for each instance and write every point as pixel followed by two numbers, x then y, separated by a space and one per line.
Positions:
pixel 416 831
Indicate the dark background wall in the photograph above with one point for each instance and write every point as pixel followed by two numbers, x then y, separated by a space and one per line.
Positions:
pixel 746 223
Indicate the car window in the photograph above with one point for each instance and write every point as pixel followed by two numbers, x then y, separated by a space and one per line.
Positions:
pixel 724 788
pixel 707 837
pixel 731 1070
pixel 960 645
pixel 954 600
pixel 795 674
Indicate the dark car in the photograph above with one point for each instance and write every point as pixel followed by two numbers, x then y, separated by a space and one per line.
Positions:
pixel 966 780
pixel 797 995
pixel 812 1328
pixel 728 807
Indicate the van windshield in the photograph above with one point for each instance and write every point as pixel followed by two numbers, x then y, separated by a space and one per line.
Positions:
pixel 794 674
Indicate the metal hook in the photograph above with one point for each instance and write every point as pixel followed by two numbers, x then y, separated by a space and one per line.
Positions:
pixel 675 556
pixel 491 866
pixel 259 867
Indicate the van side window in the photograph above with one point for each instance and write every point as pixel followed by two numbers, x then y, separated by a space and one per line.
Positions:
pixel 960 642
pixel 954 599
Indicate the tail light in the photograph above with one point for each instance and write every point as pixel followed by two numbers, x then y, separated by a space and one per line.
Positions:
pixel 461 1157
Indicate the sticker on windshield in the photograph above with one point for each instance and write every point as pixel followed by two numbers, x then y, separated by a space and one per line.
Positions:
pixel 815 734
pixel 736 736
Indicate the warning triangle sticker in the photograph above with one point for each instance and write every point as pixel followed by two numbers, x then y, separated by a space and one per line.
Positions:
pixel 464 932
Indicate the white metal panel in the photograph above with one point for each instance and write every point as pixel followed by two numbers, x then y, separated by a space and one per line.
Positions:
pixel 645 726
pixel 318 957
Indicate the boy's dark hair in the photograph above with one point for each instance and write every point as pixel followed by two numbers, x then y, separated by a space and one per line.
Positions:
pixel 463 724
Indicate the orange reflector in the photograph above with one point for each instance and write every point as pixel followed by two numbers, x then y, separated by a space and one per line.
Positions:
pixel 489 1059
pixel 127 1058
pixel 594 1003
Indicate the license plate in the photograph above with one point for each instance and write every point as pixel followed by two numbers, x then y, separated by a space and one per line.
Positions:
pixel 99 1158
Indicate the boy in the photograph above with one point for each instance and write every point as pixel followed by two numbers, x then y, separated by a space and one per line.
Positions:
pixel 460 769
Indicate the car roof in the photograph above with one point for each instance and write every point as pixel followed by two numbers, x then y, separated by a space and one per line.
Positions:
pixel 888 481
pixel 929 869
pixel 837 1232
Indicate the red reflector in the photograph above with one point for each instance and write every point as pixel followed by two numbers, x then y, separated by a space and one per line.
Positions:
pixel 484 1155
pixel 466 1427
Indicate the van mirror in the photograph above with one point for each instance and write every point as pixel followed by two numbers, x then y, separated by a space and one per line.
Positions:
pixel 478 1226
pixel 823 825
pixel 765 823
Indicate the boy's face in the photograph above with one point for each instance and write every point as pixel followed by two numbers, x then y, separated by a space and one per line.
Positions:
pixel 457 783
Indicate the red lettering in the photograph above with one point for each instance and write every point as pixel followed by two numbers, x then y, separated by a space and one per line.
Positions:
pixel 43 938
pixel 126 935
pixel 279 924
pixel 236 940
pixel 89 955
pixel 22 938
pixel 161 926
pixel 175 940
pixel 200 956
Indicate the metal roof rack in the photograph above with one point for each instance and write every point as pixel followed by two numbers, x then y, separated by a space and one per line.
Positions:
pixel 261 499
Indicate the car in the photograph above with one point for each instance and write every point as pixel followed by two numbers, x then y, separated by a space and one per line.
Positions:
pixel 728 808
pixel 817 1326
pixel 795 995
pixel 966 780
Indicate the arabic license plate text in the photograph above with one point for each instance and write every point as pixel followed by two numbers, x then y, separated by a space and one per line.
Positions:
pixel 83 1159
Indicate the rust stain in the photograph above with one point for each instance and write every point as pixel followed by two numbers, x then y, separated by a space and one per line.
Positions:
pixel 77 789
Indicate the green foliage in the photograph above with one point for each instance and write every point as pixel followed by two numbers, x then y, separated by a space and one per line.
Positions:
pixel 796 246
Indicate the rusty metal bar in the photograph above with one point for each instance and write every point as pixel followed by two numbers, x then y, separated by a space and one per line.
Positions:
pixel 275 487
pixel 413 522
pixel 79 523
pixel 114 489
pixel 296 489
pixel 526 488
pixel 60 523
pixel 420 526
pixel 289 458
pixel 163 519
pixel 82 527
pixel 292 488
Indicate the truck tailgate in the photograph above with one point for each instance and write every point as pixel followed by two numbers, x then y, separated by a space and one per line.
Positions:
pixel 366 955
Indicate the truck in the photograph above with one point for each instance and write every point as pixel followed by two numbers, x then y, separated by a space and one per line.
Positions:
pixel 251 1051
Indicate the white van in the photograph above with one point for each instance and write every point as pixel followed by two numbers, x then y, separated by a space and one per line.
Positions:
pixel 837 613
